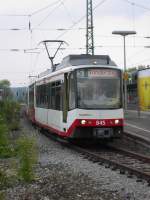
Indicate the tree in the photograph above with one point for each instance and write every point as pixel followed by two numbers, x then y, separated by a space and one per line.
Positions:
pixel 131 69
pixel 4 83
pixel 142 67
pixel 5 88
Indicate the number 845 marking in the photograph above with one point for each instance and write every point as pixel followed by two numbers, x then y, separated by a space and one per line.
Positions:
pixel 100 123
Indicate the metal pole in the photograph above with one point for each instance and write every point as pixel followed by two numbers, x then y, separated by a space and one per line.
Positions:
pixel 89 28
pixel 125 71
pixel 86 26
pixel 92 34
pixel 138 100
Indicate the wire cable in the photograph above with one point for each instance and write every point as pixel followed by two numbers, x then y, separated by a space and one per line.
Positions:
pixel 13 15
pixel 68 13
pixel 58 29
pixel 56 7
pixel 44 8
pixel 137 5
pixel 78 21
pixel 33 13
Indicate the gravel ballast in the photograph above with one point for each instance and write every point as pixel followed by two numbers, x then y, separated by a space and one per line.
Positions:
pixel 62 173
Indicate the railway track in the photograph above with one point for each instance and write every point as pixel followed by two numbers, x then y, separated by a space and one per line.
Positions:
pixel 139 139
pixel 126 162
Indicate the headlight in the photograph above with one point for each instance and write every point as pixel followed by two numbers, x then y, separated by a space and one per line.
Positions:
pixel 117 121
pixel 83 121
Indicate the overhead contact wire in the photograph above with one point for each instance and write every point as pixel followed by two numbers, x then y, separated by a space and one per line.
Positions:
pixel 137 5
pixel 77 22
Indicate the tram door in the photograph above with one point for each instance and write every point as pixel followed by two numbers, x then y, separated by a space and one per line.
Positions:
pixel 69 94
pixel 54 119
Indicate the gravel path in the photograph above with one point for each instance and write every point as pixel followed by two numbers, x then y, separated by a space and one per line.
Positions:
pixel 64 174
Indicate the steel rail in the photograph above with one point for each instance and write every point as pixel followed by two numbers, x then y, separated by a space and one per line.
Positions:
pixel 140 164
pixel 122 166
pixel 137 138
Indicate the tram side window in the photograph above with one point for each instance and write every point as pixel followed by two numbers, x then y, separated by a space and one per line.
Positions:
pixel 55 96
pixel 48 92
pixel 41 96
pixel 37 96
pixel 58 98
pixel 31 95
pixel 71 92
pixel 49 96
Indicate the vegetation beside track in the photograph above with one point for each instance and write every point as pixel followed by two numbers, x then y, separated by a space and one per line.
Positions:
pixel 18 153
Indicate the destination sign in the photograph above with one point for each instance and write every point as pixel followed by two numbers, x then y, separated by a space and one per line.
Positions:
pixel 102 73
pixel 97 73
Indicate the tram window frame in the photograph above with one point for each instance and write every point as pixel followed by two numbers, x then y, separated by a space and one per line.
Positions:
pixel 72 107
pixel 49 95
pixel 121 89
pixel 41 96
pixel 37 95
pixel 55 89
pixel 31 95
pixel 46 96
pixel 53 95
pixel 58 92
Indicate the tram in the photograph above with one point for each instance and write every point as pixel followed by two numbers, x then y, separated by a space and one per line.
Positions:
pixel 81 98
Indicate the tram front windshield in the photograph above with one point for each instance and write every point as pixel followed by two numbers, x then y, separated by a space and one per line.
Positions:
pixel 98 88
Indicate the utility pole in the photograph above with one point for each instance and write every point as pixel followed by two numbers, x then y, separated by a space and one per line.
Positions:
pixel 89 29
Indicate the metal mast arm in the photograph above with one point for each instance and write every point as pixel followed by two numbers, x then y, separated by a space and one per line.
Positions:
pixel 45 42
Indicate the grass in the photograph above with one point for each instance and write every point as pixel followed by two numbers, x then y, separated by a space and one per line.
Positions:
pixel 3 179
pixel 5 150
pixel 23 149
pixel 27 153
pixel 10 112
pixel 2 196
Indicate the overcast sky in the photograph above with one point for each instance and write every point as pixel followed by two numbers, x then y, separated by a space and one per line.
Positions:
pixel 47 17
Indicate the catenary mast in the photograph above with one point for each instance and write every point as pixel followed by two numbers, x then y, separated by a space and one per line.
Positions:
pixel 89 28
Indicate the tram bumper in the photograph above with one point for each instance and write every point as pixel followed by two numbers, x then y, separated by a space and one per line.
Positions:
pixel 97 133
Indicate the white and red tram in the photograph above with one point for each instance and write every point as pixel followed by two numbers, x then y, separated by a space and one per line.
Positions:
pixel 82 98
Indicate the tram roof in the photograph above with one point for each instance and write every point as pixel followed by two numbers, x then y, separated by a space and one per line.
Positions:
pixel 85 59
pixel 80 60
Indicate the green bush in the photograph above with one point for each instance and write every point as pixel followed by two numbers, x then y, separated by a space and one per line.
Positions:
pixel 27 153
pixel 10 112
pixel 5 149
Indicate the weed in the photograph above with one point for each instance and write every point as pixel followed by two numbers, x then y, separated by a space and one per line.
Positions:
pixel 27 152
pixel 10 112
pixel 2 196
pixel 3 179
pixel 4 142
